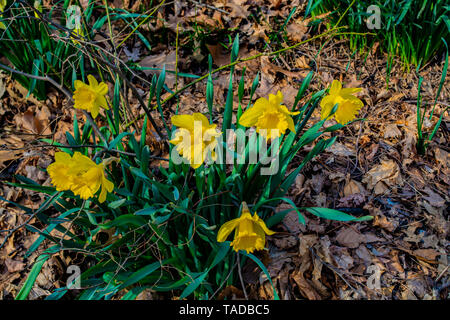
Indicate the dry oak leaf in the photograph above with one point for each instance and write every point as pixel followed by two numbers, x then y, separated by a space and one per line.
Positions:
pixel 157 61
pixel 428 255
pixel 387 172
pixel 219 55
pixel 442 157
pixel 35 120
pixel 14 265
pixel 392 131
pixel 259 32
pixel 384 223
pixel 350 238
pixel 304 286
pixel 433 198
pixel 6 155
pixel 339 149
pixel 296 31
pixel 354 187
pixel 301 63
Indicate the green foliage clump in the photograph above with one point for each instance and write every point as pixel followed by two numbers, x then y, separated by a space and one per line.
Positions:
pixel 161 223
pixel 414 30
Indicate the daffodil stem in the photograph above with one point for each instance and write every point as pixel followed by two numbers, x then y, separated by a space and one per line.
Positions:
pixel 240 275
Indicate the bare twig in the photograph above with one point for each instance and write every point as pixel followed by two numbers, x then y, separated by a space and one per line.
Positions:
pixel 11 231
pixel 208 6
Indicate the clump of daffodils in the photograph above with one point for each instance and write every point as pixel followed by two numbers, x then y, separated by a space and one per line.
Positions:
pixel 79 174
pixel 90 96
pixel 348 105
pixel 249 231
pixel 270 117
pixel 194 138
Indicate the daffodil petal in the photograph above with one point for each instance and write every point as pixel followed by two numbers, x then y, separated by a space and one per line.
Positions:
pixel 251 115
pixel 183 121
pixel 290 122
pixel 102 89
pixel 79 84
pixel 349 91
pixel 95 110
pixel 346 112
pixel 92 81
pixel 226 229
pixel 336 86
pixel 276 99
pixel 263 226
pixel 62 157
pixel 326 105
pixel 201 117
pixel 102 102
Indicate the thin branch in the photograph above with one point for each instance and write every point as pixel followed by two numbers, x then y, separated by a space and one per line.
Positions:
pixel 11 231
pixel 208 6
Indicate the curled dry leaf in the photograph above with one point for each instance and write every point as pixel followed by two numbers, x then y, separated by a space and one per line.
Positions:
pixel 392 131
pixel 219 55
pixel 35 120
pixel 259 32
pixel 442 157
pixel 428 255
pixel 14 265
pixel 297 31
pixel 385 223
pixel 354 187
pixel 386 174
pixel 350 238
pixel 433 198
pixel 339 149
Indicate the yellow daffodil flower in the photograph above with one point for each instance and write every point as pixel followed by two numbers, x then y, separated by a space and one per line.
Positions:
pixel 90 97
pixel 37 5
pixel 268 115
pixel 250 231
pixel 79 174
pixel 194 138
pixel 348 105
pixel 78 31
pixel 2 8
